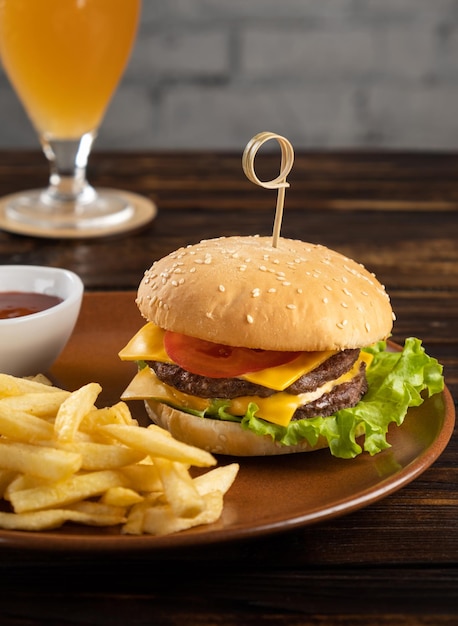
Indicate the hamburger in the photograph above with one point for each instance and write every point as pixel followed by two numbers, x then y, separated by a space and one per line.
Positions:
pixel 250 349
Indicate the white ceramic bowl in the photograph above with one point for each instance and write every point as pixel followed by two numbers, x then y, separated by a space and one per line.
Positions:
pixel 30 344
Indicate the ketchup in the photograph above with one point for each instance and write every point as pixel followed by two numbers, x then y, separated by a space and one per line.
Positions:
pixel 20 303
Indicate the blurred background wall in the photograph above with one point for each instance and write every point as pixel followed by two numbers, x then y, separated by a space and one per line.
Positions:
pixel 325 73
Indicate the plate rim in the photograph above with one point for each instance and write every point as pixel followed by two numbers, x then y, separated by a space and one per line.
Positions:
pixel 114 542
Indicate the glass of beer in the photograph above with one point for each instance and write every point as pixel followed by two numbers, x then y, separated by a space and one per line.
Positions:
pixel 65 58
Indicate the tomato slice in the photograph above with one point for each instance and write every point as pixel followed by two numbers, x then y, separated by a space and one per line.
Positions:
pixel 216 360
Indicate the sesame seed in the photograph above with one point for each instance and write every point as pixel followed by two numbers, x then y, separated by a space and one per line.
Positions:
pixel 263 268
pixel 291 307
pixel 299 290
pixel 367 326
pixel 344 305
pixel 364 293
pixel 192 270
pixel 328 287
pixel 221 288
pixel 346 291
pixel 285 283
pixel 242 268
pixel 249 319
pixel 325 300
pixel 175 283
pixel 255 293
pixel 272 290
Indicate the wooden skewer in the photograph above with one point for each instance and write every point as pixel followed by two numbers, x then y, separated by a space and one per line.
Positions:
pixel 280 183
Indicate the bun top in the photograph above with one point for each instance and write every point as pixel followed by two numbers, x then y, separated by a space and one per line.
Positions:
pixel 242 291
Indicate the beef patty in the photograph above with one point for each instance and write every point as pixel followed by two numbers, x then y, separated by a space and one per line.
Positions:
pixel 341 397
pixel 196 385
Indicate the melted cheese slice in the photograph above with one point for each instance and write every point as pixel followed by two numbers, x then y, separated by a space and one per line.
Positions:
pixel 148 345
pixel 277 409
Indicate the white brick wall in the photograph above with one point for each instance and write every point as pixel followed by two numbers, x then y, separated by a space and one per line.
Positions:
pixel 326 73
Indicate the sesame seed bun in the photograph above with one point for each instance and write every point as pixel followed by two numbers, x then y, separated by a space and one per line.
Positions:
pixel 242 291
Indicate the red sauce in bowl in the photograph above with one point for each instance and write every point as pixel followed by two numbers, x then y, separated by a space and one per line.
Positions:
pixel 20 303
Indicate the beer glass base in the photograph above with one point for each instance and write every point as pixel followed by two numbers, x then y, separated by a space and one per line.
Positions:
pixel 110 212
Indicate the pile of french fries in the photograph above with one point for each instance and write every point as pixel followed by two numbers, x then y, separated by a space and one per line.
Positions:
pixel 62 459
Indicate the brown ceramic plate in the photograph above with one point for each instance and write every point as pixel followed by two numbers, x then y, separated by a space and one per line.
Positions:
pixel 270 494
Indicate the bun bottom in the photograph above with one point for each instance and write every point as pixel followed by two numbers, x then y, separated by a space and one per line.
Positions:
pixel 219 437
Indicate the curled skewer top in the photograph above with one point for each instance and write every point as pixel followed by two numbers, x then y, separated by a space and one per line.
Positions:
pixel 280 182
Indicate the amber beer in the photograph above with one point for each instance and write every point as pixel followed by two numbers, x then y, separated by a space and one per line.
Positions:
pixel 65 58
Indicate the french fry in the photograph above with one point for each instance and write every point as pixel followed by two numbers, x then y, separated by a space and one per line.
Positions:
pixel 121 497
pixel 6 478
pixel 158 443
pixel 179 489
pixel 41 461
pixel 53 518
pixel 20 482
pixel 40 378
pixel 136 515
pixel 162 520
pixel 99 456
pixel 15 386
pixel 217 479
pixel 58 494
pixel 98 509
pixel 22 426
pixel 73 410
pixel 143 478
pixel 117 414
pixel 39 404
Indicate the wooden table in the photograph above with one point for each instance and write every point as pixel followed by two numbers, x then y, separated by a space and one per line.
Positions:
pixel 394 562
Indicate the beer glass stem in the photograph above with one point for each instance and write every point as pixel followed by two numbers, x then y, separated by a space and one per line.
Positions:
pixel 68 160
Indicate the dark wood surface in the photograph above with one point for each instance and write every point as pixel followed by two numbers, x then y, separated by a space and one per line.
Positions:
pixel 394 562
